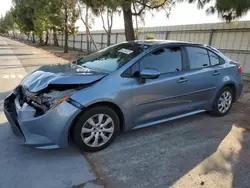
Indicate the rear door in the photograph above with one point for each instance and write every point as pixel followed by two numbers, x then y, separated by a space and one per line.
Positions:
pixel 203 75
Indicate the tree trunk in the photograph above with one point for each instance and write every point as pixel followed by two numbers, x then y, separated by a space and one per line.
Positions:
pixel 86 28
pixel 13 34
pixel 128 22
pixel 137 29
pixel 41 38
pixel 55 39
pixel 28 35
pixel 47 38
pixel 33 37
pixel 66 48
pixel 108 38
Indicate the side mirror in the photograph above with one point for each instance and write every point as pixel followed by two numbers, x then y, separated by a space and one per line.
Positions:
pixel 149 73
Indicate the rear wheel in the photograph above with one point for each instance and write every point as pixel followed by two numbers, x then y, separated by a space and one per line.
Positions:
pixel 95 129
pixel 223 102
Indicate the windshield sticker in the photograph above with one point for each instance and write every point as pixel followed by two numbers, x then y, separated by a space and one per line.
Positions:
pixel 125 51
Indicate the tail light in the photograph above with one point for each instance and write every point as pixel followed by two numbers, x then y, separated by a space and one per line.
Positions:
pixel 240 69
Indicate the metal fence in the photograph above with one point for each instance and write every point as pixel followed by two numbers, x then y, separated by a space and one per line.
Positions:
pixel 232 39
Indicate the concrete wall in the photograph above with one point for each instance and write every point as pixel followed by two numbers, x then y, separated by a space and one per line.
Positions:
pixel 232 39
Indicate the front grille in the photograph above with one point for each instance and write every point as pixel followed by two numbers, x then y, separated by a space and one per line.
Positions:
pixel 22 95
pixel 22 98
pixel 30 98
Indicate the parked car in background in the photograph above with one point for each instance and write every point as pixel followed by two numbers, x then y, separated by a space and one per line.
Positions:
pixel 120 88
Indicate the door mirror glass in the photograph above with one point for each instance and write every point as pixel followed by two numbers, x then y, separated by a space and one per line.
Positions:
pixel 149 73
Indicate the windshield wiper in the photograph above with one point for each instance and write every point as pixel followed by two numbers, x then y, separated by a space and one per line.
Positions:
pixel 76 61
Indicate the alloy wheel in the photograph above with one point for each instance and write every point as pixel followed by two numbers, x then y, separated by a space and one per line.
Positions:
pixel 225 102
pixel 97 130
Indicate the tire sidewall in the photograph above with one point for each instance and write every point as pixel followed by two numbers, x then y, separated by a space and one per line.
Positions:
pixel 76 132
pixel 215 106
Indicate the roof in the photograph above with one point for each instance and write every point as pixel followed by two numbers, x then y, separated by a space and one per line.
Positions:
pixel 155 42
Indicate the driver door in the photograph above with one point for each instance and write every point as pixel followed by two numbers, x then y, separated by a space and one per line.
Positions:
pixel 157 99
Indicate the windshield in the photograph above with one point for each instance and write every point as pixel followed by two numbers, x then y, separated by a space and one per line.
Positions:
pixel 112 58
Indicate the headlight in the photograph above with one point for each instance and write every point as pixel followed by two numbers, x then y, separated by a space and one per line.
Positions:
pixel 54 98
pixel 54 102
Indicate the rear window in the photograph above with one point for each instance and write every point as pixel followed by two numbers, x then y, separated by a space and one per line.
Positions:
pixel 113 57
pixel 198 57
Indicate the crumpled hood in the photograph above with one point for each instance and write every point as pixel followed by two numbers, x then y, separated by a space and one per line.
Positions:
pixel 60 74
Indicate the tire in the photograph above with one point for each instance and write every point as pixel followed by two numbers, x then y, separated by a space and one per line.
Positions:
pixel 96 135
pixel 218 109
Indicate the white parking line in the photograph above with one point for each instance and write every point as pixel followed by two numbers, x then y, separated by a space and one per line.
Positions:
pixel 11 76
pixel 5 76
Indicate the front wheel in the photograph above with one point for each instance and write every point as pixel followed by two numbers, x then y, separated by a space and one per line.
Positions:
pixel 95 129
pixel 223 102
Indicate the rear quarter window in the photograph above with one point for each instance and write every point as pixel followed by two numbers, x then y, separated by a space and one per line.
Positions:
pixel 214 59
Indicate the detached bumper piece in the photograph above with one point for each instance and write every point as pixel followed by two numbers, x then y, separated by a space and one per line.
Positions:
pixel 11 115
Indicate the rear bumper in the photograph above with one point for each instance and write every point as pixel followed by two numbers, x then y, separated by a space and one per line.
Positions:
pixel 49 130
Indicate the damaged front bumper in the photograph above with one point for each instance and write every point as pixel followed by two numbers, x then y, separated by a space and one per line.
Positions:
pixel 48 130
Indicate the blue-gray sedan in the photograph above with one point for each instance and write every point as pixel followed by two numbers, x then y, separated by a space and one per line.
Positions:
pixel 123 87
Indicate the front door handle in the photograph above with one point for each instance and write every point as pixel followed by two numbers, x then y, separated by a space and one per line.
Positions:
pixel 215 73
pixel 182 80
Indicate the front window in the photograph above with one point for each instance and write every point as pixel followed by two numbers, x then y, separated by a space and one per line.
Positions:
pixel 165 60
pixel 112 58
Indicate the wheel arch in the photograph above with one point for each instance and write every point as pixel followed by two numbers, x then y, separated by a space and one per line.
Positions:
pixel 109 104
pixel 228 84
pixel 233 87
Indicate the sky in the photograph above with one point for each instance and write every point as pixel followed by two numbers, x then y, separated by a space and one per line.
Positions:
pixel 182 13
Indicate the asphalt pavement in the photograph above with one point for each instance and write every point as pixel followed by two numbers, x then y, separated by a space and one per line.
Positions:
pixel 22 167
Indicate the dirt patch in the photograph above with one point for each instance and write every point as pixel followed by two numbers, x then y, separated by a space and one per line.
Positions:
pixel 58 51
pixel 98 181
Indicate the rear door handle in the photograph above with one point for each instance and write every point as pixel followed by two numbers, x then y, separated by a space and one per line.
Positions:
pixel 216 73
pixel 182 80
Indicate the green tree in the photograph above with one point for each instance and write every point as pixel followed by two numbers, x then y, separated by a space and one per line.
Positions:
pixel 226 9
pixel 86 21
pixel 7 23
pixel 108 22
pixel 141 6
pixel 70 14
pixel 43 16
pixel 3 26
pixel 24 15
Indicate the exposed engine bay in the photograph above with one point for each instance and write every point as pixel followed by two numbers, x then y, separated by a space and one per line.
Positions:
pixel 48 98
